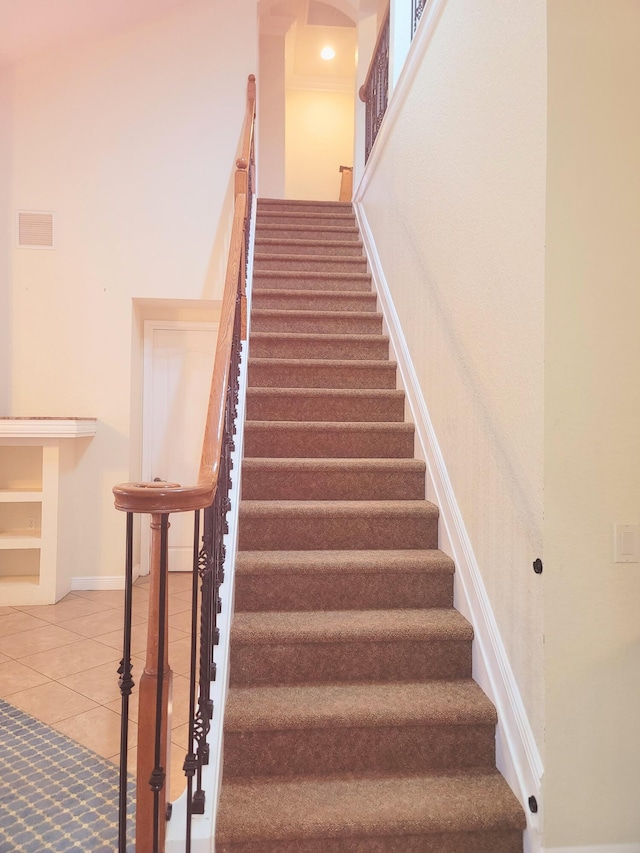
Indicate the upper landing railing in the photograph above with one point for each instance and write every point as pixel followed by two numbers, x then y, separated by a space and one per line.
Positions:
pixel 391 47
pixel 209 500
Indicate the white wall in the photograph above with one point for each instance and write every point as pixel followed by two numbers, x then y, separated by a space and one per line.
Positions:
pixel 319 139
pixel 592 424
pixel 455 199
pixel 271 115
pixel 130 139
pixel 6 234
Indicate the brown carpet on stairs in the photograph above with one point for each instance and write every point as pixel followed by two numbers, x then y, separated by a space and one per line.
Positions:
pixel 353 724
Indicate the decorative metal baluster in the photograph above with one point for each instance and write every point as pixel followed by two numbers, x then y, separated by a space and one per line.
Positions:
pixel 190 762
pixel 157 780
pixel 126 684
pixel 418 7
pixel 375 91
pixel 204 713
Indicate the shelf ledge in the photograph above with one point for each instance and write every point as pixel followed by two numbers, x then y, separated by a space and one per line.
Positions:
pixel 47 427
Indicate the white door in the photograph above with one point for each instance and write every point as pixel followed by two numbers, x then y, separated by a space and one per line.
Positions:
pixel 178 361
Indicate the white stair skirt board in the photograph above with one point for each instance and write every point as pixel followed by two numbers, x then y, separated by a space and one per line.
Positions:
pixel 517 754
pixel 203 827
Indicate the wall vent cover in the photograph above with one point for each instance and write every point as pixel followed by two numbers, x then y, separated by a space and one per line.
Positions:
pixel 35 229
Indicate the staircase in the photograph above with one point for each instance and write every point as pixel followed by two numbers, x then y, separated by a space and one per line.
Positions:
pixel 352 722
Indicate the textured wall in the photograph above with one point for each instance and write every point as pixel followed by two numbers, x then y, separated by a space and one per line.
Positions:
pixel 319 139
pixel 456 205
pixel 592 424
pixel 130 139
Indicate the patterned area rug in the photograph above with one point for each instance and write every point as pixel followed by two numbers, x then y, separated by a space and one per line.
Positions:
pixel 55 795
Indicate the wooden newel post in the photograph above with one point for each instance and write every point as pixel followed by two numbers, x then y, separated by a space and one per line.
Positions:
pixel 147 713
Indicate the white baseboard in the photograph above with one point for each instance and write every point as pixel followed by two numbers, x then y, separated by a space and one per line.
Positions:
pixel 596 848
pixel 107 582
pixel 517 754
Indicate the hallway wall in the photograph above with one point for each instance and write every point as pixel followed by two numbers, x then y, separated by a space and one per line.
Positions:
pixel 130 140
pixel 318 140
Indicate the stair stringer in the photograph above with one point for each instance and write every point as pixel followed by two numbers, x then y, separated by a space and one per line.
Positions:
pixel 517 754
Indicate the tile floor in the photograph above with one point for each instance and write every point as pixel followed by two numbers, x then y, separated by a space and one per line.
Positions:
pixel 58 663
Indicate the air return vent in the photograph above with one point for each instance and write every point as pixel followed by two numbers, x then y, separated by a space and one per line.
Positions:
pixel 35 229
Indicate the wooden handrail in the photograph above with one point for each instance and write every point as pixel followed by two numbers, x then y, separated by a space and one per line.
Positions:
pixel 160 499
pixel 172 497
pixel 363 89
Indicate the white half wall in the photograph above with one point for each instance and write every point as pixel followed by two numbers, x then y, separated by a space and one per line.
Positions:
pixel 130 139
pixel 454 195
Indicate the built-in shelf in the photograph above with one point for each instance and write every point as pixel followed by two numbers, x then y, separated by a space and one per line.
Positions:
pixel 31 450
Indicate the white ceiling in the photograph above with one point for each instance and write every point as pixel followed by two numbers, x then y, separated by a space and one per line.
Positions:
pixel 30 26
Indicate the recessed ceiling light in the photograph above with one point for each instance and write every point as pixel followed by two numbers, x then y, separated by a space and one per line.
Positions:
pixel 327 52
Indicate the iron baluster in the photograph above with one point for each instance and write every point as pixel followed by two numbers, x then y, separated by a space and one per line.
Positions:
pixel 126 684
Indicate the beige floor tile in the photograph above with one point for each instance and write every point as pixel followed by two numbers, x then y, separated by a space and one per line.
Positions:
pixel 177 780
pixel 14 623
pixel 182 621
pixel 99 623
pixel 51 702
pixel 5 611
pixel 143 580
pixel 112 597
pixel 185 595
pixel 180 656
pixel 97 729
pixel 76 657
pixel 180 736
pixel 179 581
pixel 68 608
pixel 99 683
pixel 37 640
pixel 15 676
pixel 180 703
pixel 4 658
pixel 178 605
pixel 138 638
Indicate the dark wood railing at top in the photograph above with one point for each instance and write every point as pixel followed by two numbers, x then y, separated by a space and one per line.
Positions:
pixel 374 92
pixel 209 496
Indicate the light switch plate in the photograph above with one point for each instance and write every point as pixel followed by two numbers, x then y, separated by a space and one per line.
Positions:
pixel 626 543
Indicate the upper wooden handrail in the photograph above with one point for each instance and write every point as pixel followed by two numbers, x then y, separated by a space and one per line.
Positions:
pixel 159 497
pixel 363 89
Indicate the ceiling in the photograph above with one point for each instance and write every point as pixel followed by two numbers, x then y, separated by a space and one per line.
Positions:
pixel 30 26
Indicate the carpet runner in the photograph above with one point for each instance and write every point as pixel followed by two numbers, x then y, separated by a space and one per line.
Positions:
pixel 55 795
pixel 352 724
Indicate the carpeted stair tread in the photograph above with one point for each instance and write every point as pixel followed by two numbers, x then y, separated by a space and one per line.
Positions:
pixel 304 300
pixel 310 280
pixel 345 705
pixel 332 479
pixel 352 580
pixel 265 202
pixel 301 245
pixel 311 232
pixel 353 724
pixel 277 320
pixel 278 260
pixel 346 562
pixel 321 373
pixel 338 524
pixel 379 807
pixel 292 344
pixel 328 404
pixel 345 439
pixel 345 626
